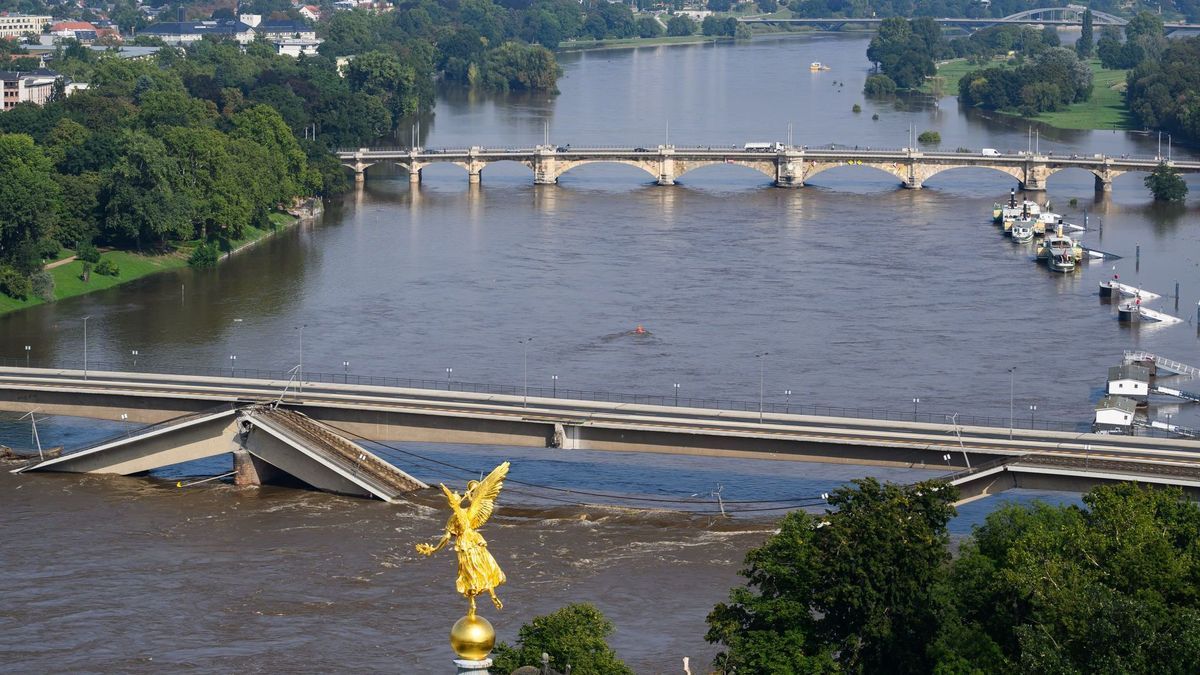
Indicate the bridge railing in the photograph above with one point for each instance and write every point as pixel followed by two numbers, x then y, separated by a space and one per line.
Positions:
pixel 667 400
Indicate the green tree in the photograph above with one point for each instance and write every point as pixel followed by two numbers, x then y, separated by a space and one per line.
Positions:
pixel 1109 587
pixel 29 201
pixel 385 76
pixel 138 200
pixel 678 26
pixel 573 636
pixel 879 85
pixel 1085 45
pixel 1166 184
pixel 648 27
pixel 854 589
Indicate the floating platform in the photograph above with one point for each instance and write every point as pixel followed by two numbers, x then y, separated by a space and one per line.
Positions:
pixel 1134 313
pixel 1109 286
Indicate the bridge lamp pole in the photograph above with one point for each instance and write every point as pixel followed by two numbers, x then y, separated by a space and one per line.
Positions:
pixel 1011 378
pixel 915 401
pixel 676 394
pixel 345 372
pixel 525 344
pixel 85 368
pixel 300 366
pixel 134 353
pixel 232 363
pixel 27 350
pixel 1032 410
pixel 762 367
pixel 787 406
pixel 449 370
pixel 554 382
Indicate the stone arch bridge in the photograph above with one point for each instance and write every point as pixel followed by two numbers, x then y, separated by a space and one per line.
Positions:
pixel 784 166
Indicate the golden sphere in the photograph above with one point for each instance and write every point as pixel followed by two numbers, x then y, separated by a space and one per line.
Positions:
pixel 472 638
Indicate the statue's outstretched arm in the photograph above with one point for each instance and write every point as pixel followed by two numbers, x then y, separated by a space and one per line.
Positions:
pixel 426 549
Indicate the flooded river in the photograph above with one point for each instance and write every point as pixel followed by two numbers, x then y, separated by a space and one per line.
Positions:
pixel 863 294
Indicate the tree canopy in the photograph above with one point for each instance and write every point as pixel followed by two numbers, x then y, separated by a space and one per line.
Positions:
pixel 573 636
pixel 1111 586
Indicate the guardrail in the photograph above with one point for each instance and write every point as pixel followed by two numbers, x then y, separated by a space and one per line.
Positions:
pixel 668 400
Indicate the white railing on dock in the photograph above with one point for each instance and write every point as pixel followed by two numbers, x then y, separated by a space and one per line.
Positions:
pixel 1162 362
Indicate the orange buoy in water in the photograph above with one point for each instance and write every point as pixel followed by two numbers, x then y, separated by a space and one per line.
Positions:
pixel 639 330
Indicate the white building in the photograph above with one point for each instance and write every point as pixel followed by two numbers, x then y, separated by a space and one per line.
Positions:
pixel 1130 381
pixel 16 25
pixel 183 33
pixel 1115 414
pixel 34 86
pixel 295 48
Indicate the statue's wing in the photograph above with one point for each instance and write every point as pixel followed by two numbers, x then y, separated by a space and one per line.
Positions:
pixel 483 497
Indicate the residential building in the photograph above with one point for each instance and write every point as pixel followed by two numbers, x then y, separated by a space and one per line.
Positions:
pixel 295 48
pixel 16 25
pixel 311 12
pixel 186 32
pixel 286 30
pixel 34 86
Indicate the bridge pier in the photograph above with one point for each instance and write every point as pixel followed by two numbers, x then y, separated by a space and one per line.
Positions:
pixel 1103 184
pixel 666 165
pixel 545 167
pixel 414 176
pixel 789 170
pixel 1035 177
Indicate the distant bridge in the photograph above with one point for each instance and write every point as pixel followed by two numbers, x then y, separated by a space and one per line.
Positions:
pixel 785 166
pixel 1070 15
pixel 257 420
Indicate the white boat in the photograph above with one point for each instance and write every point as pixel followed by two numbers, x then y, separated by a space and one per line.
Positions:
pixel 1059 252
pixel 1022 230
pixel 817 65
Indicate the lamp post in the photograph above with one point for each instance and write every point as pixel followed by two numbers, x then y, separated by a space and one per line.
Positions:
pixel 787 406
pixel 1011 377
pixel 554 382
pixel 525 344
pixel 134 354
pixel 448 371
pixel 1032 410
pixel 345 372
pixel 676 394
pixel 27 349
pixel 232 363
pixel 762 365
pixel 915 402
pixel 85 320
pixel 300 366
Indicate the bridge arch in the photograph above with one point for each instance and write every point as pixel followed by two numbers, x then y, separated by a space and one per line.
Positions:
pixel 766 168
pixel 1071 12
pixel 929 171
pixel 563 166
pixel 812 168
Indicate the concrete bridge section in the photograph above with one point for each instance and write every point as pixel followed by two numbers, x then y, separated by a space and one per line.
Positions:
pixel 785 166
pixel 560 425
pixel 1073 472
pixel 269 446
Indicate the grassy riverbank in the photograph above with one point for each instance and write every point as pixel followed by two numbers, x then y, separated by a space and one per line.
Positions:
pixel 67 276
pixel 1104 110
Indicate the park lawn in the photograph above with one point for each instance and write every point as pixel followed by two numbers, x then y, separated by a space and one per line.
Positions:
pixel 67 281
pixel 951 72
pixel 1104 110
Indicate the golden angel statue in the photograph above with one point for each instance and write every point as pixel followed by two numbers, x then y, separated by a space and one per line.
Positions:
pixel 477 569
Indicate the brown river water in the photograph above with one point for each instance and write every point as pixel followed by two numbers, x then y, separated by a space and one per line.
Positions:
pixel 865 296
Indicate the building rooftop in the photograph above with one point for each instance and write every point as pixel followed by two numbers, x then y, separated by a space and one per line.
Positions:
pixel 196 28
pixel 1129 372
pixel 1118 403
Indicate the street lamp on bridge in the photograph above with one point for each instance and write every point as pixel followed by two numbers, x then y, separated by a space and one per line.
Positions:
pixel 85 368
pixel 525 343
pixel 762 365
